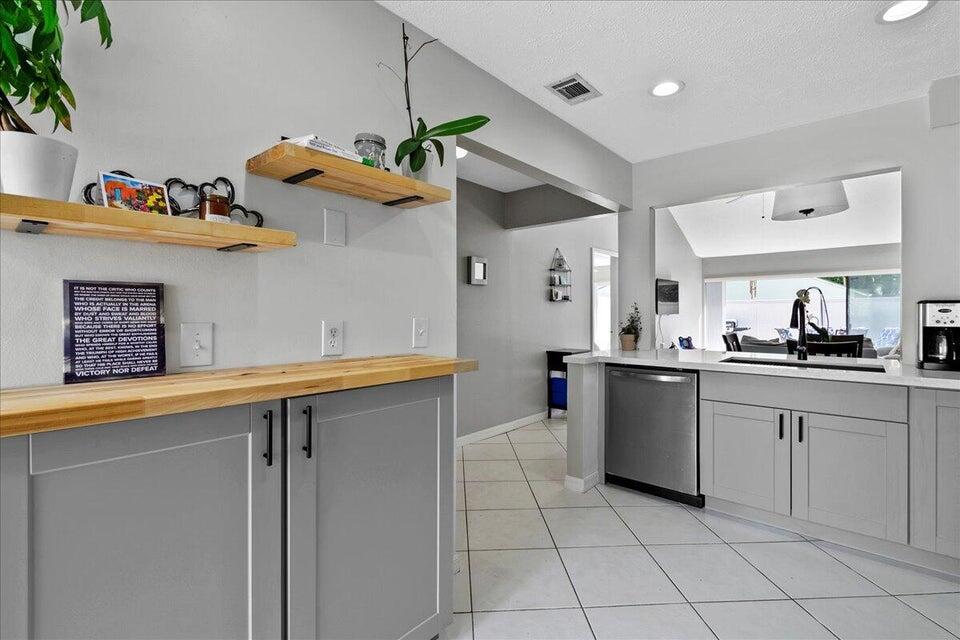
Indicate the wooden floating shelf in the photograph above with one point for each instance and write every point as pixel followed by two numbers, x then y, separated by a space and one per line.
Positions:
pixel 36 215
pixel 294 164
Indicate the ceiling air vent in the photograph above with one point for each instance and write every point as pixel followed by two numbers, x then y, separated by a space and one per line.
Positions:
pixel 574 89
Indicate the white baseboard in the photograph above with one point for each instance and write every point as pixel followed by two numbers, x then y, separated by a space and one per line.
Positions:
pixel 496 430
pixel 581 485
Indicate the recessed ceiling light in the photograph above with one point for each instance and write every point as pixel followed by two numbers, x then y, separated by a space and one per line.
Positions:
pixel 461 152
pixel 668 88
pixel 903 9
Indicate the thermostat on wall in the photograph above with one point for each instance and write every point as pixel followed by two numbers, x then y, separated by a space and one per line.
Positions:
pixel 477 270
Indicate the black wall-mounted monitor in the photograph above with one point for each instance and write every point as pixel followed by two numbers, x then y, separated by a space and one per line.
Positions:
pixel 668 297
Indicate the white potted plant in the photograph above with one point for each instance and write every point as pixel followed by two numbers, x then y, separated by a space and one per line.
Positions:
pixel 31 50
pixel 631 329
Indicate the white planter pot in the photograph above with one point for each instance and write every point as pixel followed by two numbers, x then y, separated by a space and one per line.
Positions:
pixel 32 165
pixel 424 174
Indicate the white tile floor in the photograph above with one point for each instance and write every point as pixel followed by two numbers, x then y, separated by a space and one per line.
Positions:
pixel 539 561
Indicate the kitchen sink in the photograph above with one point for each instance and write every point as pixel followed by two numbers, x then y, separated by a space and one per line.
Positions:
pixel 806 364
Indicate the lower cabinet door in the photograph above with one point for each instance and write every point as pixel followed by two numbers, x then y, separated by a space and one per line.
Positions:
pixel 365 503
pixel 851 474
pixel 745 455
pixel 935 470
pixel 140 529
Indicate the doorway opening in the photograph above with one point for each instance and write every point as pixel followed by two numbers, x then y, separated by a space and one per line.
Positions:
pixel 603 298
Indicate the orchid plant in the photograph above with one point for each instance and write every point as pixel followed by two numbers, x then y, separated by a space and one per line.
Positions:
pixel 425 139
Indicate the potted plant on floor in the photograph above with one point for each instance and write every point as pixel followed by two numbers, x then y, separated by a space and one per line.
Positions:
pixel 413 153
pixel 31 51
pixel 631 329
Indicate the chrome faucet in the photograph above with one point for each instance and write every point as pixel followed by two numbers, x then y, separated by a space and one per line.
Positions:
pixel 798 318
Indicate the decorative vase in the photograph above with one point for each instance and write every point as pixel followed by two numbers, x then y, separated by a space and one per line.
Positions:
pixel 628 342
pixel 423 175
pixel 32 165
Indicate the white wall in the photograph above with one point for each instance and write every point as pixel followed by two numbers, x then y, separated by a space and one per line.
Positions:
pixel 677 261
pixel 509 324
pixel 192 89
pixel 896 135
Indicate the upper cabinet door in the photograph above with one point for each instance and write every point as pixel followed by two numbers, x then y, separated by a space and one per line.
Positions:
pixel 140 529
pixel 745 454
pixel 935 471
pixel 851 474
pixel 365 502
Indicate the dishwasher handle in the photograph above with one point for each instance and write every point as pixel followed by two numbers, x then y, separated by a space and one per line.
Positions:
pixel 651 377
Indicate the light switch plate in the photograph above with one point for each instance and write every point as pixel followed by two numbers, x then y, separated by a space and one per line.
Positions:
pixel 421 333
pixel 334 228
pixel 332 338
pixel 196 344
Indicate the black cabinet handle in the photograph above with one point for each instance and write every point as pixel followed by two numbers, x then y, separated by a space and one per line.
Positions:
pixel 309 446
pixel 268 416
pixel 799 428
pixel 780 416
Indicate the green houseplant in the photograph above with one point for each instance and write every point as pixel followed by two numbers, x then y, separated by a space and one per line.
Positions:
pixel 31 55
pixel 423 139
pixel 631 329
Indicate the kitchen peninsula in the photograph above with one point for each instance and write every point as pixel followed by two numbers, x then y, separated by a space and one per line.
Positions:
pixel 204 504
pixel 860 452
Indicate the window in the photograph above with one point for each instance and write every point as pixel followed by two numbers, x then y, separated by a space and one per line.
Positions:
pixel 856 304
pixel 761 308
pixel 873 308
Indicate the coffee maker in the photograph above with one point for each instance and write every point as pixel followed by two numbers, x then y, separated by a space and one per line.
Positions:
pixel 938 343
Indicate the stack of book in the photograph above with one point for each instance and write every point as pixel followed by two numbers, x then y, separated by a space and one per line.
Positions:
pixel 320 144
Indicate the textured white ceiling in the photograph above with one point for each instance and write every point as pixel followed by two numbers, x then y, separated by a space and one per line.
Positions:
pixel 492 174
pixel 749 67
pixel 742 226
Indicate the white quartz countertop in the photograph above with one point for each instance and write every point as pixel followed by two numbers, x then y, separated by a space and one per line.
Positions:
pixel 887 371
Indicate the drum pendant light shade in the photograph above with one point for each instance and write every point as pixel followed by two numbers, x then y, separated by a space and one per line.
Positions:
pixel 809 201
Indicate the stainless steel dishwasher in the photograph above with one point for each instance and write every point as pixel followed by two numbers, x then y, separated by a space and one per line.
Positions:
pixel 651 432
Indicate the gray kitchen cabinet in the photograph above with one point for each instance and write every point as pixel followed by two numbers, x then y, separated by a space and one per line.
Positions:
pixel 143 529
pixel 745 454
pixel 370 504
pixel 850 473
pixel 845 472
pixel 935 470
pixel 327 516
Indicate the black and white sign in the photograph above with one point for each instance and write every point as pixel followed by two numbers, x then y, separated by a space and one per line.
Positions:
pixel 112 330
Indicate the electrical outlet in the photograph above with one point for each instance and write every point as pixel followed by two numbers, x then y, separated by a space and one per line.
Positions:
pixel 332 338
pixel 196 344
pixel 421 333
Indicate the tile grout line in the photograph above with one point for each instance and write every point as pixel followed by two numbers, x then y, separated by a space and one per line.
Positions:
pixel 661 604
pixel 757 569
pixel 898 598
pixel 829 555
pixel 555 547
pixel 657 562
pixel 886 591
pixel 582 608
pixel 466 535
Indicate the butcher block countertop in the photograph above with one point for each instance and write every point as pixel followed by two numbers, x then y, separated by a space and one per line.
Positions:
pixel 37 409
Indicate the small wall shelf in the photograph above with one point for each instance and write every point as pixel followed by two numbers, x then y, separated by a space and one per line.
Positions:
pixel 36 215
pixel 561 279
pixel 294 164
